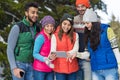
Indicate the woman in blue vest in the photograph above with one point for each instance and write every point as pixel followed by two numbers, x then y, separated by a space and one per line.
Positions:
pixel 99 41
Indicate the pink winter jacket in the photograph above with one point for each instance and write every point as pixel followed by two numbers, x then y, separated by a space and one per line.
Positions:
pixel 44 51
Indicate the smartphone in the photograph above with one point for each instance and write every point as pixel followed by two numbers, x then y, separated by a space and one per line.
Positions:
pixel 21 73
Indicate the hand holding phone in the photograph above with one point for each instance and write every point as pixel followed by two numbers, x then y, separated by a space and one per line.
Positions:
pixel 18 72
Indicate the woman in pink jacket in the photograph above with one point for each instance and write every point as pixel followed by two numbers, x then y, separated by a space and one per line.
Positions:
pixel 42 67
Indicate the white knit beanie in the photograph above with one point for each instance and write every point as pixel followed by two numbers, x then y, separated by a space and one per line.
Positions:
pixel 90 16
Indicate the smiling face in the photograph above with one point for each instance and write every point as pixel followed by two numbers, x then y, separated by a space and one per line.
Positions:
pixel 81 9
pixel 49 28
pixel 32 14
pixel 88 25
pixel 66 26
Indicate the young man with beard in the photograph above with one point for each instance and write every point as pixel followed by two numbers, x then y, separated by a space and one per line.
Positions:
pixel 84 72
pixel 20 44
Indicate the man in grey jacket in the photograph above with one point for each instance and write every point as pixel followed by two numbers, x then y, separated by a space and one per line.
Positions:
pixel 20 44
pixel 84 72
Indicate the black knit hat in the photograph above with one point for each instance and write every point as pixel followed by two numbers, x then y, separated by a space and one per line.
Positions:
pixel 68 17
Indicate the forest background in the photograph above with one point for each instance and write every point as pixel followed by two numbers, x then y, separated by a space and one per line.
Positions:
pixel 11 11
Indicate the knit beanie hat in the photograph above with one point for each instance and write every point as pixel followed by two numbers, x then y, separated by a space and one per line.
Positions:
pixel 47 20
pixel 90 16
pixel 84 2
pixel 68 17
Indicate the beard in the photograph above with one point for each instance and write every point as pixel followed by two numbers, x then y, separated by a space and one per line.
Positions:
pixel 29 18
pixel 81 12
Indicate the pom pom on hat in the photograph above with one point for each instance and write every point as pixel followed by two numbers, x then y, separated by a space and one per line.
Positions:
pixel 84 2
pixel 90 16
pixel 47 20
pixel 68 17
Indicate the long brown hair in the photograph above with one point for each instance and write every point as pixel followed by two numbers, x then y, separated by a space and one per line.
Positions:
pixel 69 33
pixel 93 35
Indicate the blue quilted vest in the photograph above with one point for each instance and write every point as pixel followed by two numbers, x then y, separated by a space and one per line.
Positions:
pixel 103 57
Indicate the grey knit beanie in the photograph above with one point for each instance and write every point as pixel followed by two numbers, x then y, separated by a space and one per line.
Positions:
pixel 90 16
pixel 68 17
pixel 47 20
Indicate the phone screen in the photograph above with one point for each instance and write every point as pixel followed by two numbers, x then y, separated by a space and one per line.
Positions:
pixel 61 54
